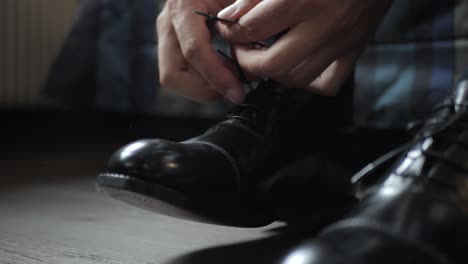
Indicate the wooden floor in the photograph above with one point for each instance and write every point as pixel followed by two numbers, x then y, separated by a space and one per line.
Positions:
pixel 51 213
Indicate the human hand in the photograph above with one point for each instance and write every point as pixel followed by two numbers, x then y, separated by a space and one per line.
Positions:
pixel 320 48
pixel 187 62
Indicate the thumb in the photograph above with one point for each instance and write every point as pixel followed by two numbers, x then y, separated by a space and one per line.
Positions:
pixel 238 9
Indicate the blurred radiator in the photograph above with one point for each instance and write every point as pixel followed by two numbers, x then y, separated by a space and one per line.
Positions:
pixel 31 33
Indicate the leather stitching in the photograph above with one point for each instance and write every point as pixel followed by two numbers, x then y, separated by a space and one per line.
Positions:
pixel 246 128
pixel 115 175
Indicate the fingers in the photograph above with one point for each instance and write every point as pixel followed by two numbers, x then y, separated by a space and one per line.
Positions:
pixel 324 38
pixel 189 84
pixel 286 54
pixel 195 43
pixel 331 80
pixel 174 73
pixel 238 9
pixel 262 21
pixel 169 54
pixel 325 69
pixel 296 63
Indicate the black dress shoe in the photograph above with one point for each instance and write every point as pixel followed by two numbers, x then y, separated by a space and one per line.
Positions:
pixel 225 176
pixel 417 210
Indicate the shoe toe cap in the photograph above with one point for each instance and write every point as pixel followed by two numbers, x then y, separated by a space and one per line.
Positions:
pixel 187 168
pixel 150 159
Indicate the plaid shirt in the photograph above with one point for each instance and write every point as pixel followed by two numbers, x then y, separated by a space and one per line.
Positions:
pixel 107 60
pixel 419 51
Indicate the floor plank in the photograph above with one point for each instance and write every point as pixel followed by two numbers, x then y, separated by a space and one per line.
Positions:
pixel 51 213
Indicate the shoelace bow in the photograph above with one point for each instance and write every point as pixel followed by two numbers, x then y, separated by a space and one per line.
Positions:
pixel 247 112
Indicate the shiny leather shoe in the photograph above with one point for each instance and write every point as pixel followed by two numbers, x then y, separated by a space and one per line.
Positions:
pixel 225 176
pixel 415 201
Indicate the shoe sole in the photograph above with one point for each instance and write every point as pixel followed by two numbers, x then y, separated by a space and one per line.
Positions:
pixel 169 202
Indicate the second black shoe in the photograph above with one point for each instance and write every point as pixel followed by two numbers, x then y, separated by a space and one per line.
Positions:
pixel 227 175
pixel 417 212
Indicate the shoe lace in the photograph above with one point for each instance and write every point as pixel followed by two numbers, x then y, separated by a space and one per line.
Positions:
pixel 261 107
pixel 246 112
pixel 249 112
pixel 445 117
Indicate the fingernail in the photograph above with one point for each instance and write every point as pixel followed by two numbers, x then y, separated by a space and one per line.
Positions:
pixel 228 12
pixel 235 96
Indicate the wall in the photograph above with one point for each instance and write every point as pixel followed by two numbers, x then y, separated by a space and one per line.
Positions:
pixel 31 33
